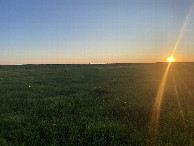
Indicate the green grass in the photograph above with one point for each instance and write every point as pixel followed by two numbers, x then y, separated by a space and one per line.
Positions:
pixel 94 104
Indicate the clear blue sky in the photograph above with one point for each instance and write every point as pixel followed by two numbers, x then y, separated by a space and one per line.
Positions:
pixel 83 31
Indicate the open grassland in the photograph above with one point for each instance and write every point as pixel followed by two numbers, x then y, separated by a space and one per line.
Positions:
pixel 95 104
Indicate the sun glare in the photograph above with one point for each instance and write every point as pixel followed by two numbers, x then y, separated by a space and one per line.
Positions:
pixel 170 59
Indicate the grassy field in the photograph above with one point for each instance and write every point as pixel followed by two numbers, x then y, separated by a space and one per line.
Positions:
pixel 95 104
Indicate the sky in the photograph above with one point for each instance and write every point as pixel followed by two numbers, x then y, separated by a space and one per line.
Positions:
pixel 94 31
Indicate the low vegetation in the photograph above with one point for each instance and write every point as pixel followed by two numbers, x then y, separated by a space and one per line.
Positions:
pixel 95 104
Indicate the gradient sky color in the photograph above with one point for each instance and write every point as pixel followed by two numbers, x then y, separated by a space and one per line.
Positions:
pixel 95 31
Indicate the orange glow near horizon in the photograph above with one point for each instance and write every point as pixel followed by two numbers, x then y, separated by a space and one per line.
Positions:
pixel 171 59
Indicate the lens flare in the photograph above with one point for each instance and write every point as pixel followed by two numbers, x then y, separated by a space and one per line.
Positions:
pixel 154 120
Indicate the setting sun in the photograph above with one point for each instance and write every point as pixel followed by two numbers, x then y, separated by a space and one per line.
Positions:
pixel 170 59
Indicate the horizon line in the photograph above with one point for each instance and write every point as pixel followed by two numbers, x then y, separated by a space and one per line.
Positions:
pixel 94 63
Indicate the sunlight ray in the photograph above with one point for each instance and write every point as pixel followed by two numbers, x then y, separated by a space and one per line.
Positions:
pixel 177 97
pixel 181 82
pixel 187 19
pixel 179 104
pixel 153 125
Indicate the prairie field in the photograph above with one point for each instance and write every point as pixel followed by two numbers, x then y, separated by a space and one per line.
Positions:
pixel 101 104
